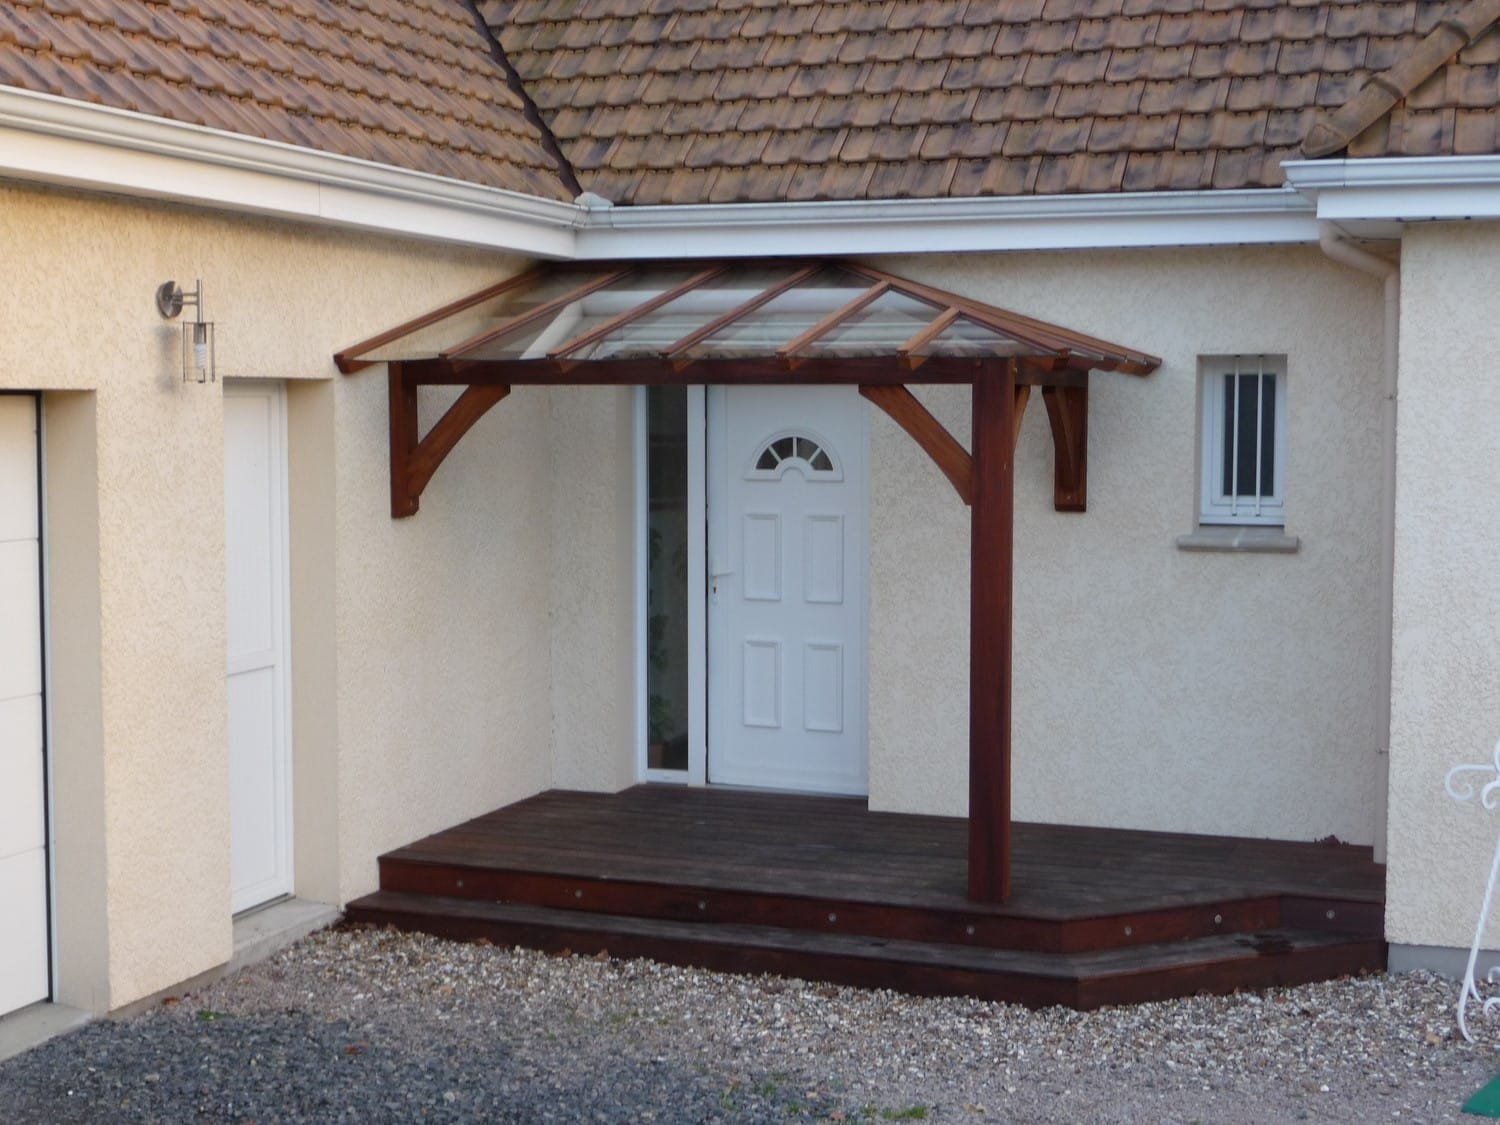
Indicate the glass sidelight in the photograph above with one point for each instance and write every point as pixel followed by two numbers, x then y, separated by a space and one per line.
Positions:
pixel 667 579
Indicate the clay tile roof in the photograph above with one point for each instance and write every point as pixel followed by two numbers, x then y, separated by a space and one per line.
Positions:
pixel 412 83
pixel 887 98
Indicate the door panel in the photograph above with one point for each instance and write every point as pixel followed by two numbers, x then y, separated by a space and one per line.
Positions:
pixel 23 822
pixel 256 563
pixel 788 486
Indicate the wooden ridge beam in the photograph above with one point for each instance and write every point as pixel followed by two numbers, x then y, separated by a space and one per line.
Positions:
pixel 414 461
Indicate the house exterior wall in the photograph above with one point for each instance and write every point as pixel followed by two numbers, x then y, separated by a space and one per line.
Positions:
pixel 427 693
pixel 1155 688
pixel 1446 660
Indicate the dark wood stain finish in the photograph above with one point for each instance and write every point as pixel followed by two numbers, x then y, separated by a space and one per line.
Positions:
pixel 820 887
pixel 991 537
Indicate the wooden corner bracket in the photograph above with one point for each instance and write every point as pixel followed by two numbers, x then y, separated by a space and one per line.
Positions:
pixel 1068 413
pixel 414 461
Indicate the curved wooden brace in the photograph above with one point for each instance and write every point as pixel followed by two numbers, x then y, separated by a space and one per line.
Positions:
pixel 946 453
pixel 1068 413
pixel 412 461
pixel 944 449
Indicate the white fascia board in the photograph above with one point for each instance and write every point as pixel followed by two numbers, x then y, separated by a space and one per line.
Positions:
pixel 1400 189
pixel 1068 222
pixel 59 141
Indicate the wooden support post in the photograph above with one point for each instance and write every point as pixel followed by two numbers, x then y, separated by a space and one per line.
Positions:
pixel 403 392
pixel 991 540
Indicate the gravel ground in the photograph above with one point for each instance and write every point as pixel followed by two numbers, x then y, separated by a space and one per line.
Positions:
pixel 373 1026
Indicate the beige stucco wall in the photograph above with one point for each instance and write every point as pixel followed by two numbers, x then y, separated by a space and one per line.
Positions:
pixel 434 694
pixel 1446 658
pixel 593 588
pixel 1154 687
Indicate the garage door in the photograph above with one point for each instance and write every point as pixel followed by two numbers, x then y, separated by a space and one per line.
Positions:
pixel 23 822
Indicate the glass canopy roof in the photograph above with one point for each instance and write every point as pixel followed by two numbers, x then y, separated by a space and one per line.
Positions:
pixel 689 312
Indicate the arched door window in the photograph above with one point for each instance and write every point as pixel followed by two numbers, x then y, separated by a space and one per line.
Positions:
pixel 795 449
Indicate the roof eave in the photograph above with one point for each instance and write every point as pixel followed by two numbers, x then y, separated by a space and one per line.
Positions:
pixel 1399 189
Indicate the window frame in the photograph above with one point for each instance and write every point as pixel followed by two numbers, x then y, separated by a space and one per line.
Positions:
pixel 1215 507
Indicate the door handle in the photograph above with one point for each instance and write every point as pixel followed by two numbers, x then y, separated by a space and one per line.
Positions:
pixel 713 584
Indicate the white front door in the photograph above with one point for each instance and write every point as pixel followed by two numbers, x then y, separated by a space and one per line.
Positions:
pixel 788 534
pixel 255 548
pixel 23 822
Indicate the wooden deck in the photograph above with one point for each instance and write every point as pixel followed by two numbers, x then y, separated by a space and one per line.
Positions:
pixel 820 887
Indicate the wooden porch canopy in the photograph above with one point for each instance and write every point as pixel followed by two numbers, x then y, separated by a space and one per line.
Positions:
pixel 783 322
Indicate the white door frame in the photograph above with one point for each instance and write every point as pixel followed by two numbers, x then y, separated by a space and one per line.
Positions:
pixel 283 883
pixel 49 866
pixel 697 590
pixel 699 550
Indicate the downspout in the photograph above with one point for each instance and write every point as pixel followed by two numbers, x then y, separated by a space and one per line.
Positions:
pixel 1346 253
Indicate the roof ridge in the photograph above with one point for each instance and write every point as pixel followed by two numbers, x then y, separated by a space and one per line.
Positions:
pixel 529 109
pixel 1460 26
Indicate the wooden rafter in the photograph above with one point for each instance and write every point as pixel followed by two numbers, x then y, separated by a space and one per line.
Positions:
pixel 631 315
pixel 796 344
pixel 349 360
pixel 1049 337
pixel 540 312
pixel 745 308
pixel 413 461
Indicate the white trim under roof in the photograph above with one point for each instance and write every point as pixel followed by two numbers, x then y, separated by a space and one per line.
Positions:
pixel 1400 189
pixel 1054 222
pixel 61 141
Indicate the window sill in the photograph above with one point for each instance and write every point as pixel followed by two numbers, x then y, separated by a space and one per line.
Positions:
pixel 1261 540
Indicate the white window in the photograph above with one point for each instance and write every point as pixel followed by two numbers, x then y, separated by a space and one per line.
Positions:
pixel 1244 440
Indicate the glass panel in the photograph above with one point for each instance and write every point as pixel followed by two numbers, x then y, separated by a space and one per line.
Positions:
pixel 964 338
pixel 1250 415
pixel 784 448
pixel 821 463
pixel 877 329
pixel 425 343
pixel 666 579
pixel 767 460
pixel 589 312
pixel 657 331
pixel 785 317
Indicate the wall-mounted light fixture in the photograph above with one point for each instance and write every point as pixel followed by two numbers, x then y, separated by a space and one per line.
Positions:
pixel 197 334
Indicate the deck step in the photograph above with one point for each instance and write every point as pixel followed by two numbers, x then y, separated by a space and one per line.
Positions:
pixel 1218 963
pixel 989 926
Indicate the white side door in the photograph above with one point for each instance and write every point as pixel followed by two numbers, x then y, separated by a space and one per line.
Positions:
pixel 23 821
pixel 788 535
pixel 255 548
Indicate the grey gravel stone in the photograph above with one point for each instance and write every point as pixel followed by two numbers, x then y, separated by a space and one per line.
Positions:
pixel 374 1026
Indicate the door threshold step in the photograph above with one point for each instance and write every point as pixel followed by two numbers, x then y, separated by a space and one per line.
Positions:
pixel 1219 963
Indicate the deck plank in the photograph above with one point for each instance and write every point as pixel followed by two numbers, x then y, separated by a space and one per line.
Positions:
pixel 830 847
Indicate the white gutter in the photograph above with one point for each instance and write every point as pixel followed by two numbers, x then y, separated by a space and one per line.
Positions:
pixel 59 141
pixel 1350 255
pixel 1063 222
pixel 1400 189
